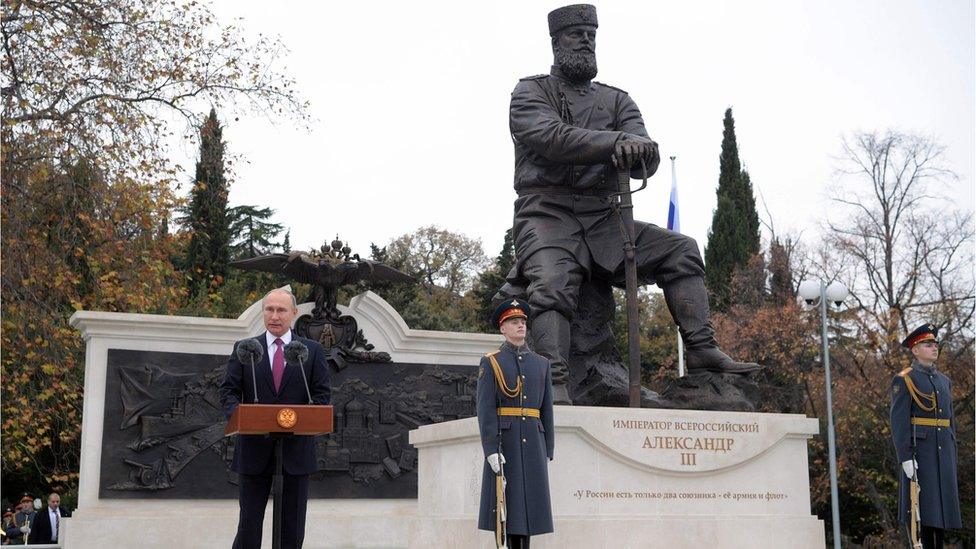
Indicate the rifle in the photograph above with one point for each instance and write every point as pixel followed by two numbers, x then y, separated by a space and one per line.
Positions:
pixel 501 519
pixel 913 491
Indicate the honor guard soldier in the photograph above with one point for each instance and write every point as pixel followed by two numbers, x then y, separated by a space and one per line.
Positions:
pixel 515 419
pixel 23 521
pixel 924 432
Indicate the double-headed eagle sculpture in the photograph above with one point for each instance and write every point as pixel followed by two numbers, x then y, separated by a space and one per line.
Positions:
pixel 327 269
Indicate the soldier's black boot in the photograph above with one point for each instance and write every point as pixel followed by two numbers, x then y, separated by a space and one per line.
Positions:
pixel 549 332
pixel 517 542
pixel 688 302
pixel 931 538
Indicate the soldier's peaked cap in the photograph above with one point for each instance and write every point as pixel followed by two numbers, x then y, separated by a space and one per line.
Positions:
pixel 925 332
pixel 510 308
pixel 567 16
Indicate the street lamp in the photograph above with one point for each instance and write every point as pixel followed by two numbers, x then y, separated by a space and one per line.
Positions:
pixel 811 291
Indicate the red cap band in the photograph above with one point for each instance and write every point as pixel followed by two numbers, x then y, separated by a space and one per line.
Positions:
pixel 920 338
pixel 514 312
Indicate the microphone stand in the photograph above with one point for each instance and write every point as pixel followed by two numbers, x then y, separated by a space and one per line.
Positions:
pixel 305 379
pixel 254 380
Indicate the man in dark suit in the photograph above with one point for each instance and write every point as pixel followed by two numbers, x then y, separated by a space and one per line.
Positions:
pixel 277 383
pixel 47 522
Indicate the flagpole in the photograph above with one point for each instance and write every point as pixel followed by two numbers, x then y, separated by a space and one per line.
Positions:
pixel 674 225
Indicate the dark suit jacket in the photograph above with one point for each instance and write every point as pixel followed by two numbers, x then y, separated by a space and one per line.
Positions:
pixel 41 527
pixel 254 454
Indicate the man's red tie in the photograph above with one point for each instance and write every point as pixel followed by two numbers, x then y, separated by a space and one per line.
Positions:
pixel 278 365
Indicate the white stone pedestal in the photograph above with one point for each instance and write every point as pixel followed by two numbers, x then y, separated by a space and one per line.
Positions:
pixel 626 477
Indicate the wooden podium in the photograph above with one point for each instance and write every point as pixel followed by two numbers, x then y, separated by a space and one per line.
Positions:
pixel 266 419
pixel 279 421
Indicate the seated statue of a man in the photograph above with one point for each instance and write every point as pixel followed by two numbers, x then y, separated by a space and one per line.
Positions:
pixel 571 134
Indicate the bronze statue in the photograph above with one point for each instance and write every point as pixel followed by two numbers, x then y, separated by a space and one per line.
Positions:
pixel 571 134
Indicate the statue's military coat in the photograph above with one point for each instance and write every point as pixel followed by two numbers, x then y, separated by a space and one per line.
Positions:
pixel 564 135
pixel 527 442
pixel 935 447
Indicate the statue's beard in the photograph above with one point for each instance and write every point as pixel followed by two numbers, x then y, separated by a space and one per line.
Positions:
pixel 577 66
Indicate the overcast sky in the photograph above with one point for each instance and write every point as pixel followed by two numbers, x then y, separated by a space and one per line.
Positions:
pixel 410 104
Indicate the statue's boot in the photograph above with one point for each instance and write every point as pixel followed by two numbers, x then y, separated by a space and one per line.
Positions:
pixel 688 302
pixel 549 331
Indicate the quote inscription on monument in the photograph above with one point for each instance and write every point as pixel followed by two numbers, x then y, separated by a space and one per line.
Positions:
pixel 684 461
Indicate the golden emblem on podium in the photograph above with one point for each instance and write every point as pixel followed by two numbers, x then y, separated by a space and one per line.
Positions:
pixel 287 418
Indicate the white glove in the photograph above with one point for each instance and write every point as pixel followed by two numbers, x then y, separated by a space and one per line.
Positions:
pixel 910 467
pixel 496 461
pixel 25 530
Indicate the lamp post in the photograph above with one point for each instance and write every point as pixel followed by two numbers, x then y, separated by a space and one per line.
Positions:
pixel 811 291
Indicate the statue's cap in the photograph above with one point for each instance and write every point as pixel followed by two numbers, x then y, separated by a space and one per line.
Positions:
pixel 567 16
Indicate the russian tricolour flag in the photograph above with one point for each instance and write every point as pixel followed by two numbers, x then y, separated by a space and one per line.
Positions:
pixel 673 221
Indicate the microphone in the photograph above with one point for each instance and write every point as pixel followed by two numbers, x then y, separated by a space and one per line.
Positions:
pixel 251 351
pixel 296 353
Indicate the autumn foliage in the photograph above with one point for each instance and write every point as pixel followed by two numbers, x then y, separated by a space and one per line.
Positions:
pixel 90 92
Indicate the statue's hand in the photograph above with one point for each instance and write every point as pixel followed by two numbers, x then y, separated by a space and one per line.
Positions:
pixel 630 149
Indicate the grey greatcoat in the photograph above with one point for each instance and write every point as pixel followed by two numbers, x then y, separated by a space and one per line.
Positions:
pixel 526 442
pixel 935 447
pixel 564 135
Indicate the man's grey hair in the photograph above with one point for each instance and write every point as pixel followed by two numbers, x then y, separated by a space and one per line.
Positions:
pixel 294 302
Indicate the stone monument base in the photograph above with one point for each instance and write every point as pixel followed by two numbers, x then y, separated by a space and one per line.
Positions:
pixel 625 477
pixel 213 523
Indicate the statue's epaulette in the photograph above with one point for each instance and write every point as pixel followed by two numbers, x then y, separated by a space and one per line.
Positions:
pixel 905 372
pixel 609 86
pixel 535 77
pixel 493 353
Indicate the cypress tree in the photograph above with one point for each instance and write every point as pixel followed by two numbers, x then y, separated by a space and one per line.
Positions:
pixel 780 273
pixel 734 235
pixel 206 214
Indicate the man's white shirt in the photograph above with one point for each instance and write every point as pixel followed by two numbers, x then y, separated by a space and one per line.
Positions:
pixel 52 515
